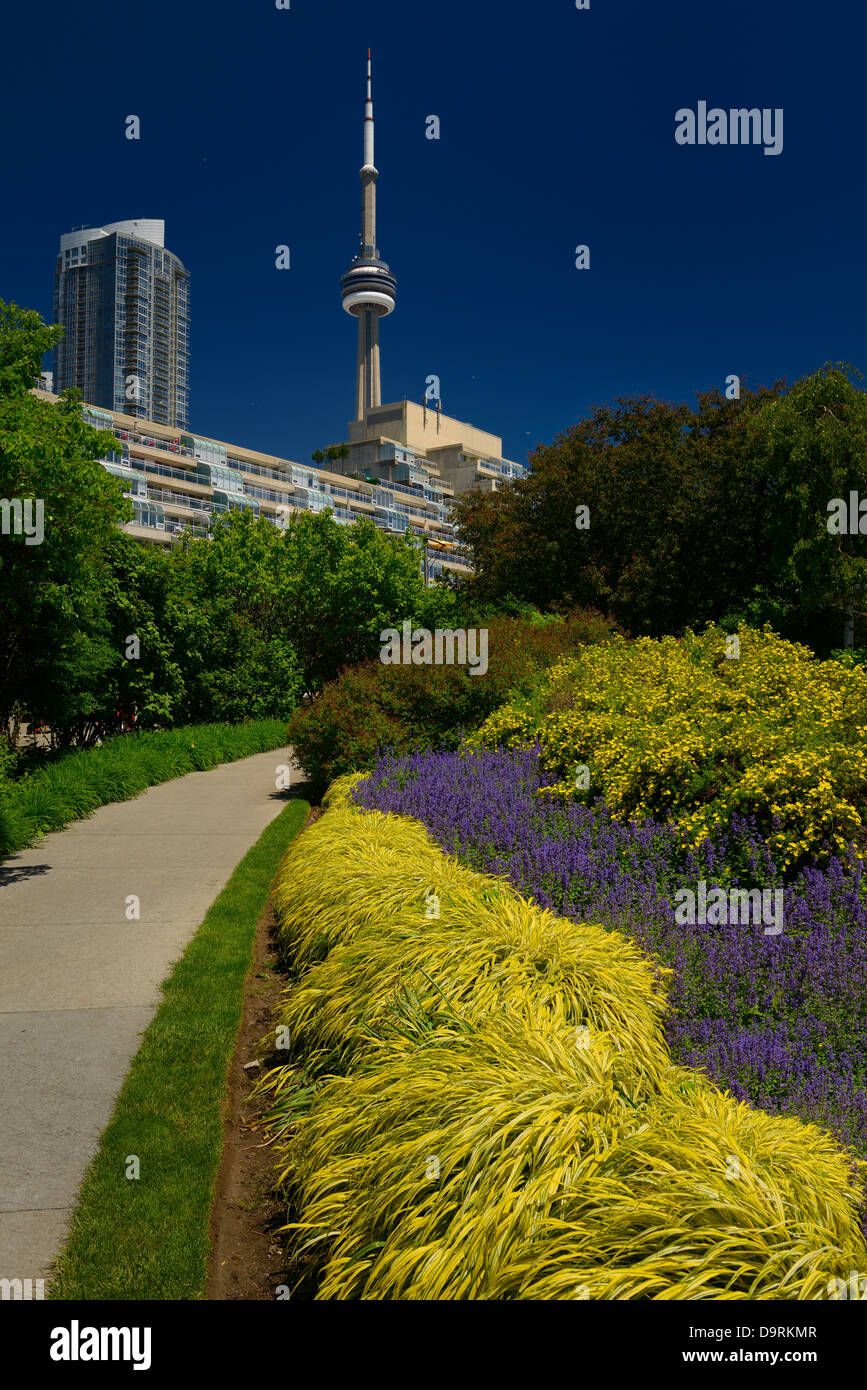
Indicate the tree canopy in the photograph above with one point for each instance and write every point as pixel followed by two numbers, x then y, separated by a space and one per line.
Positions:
pixel 55 643
pixel 712 513
pixel 97 627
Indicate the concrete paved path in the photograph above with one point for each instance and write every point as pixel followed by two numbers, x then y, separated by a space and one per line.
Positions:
pixel 79 982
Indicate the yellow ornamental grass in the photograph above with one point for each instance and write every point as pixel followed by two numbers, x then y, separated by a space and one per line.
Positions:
pixel 509 1124
pixel 339 793
pixel 706 1198
pixel 328 891
pixel 484 955
pixel 507 1163
pixel 486 948
pixel 430 1148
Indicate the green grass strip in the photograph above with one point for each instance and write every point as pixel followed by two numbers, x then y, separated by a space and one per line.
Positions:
pixel 148 1238
pixel 79 782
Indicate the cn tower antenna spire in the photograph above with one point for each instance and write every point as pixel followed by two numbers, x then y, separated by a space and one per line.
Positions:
pixel 368 122
pixel 368 288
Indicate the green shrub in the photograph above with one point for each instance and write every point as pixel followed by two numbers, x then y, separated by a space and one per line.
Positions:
pixel 373 706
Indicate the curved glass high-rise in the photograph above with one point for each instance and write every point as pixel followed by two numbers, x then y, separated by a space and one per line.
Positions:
pixel 124 303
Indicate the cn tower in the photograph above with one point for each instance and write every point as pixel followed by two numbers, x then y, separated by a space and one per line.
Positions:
pixel 368 287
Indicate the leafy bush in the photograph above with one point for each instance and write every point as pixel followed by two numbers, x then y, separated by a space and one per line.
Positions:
pixel 372 706
pixel 853 656
pixel 508 1124
pixel 120 768
pixel 676 730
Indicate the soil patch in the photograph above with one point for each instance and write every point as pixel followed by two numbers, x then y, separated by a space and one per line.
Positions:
pixel 247 1260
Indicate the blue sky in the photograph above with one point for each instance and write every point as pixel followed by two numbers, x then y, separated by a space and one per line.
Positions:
pixel 557 129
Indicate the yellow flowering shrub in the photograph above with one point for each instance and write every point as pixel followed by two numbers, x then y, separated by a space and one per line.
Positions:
pixel 685 730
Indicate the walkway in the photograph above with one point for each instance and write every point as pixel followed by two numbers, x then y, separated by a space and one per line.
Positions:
pixel 79 981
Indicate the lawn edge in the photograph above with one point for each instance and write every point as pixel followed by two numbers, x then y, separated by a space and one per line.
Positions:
pixel 156 763
pixel 117 1223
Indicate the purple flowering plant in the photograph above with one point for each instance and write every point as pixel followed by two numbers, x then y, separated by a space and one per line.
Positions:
pixel 779 1020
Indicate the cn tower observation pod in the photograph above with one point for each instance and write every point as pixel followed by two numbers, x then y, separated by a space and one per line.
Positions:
pixel 368 284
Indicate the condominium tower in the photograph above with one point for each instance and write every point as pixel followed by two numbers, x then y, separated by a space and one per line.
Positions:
pixel 123 302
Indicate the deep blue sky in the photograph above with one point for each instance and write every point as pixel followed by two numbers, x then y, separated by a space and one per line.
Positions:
pixel 557 128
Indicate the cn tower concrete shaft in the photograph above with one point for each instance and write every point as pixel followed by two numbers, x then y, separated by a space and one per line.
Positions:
pixel 368 390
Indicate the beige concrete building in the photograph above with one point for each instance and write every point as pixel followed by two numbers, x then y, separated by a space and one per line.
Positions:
pixel 461 456
pixel 178 483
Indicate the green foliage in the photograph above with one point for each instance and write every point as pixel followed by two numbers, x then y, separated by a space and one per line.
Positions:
pixel 856 656
pixel 229 622
pixel 55 641
pixel 264 613
pixel 77 783
pixel 24 341
pixel 237 625
pixel 713 514
pixel 341 586
pixel 10 761
pixel 140 602
pixel 812 444
pixel 373 706
pixel 657 478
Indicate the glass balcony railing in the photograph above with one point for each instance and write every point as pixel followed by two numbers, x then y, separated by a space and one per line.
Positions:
pixel 508 470
pixel 259 470
pixel 166 470
pixel 187 528
pixel 424 503
pixel 269 494
pixel 180 499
